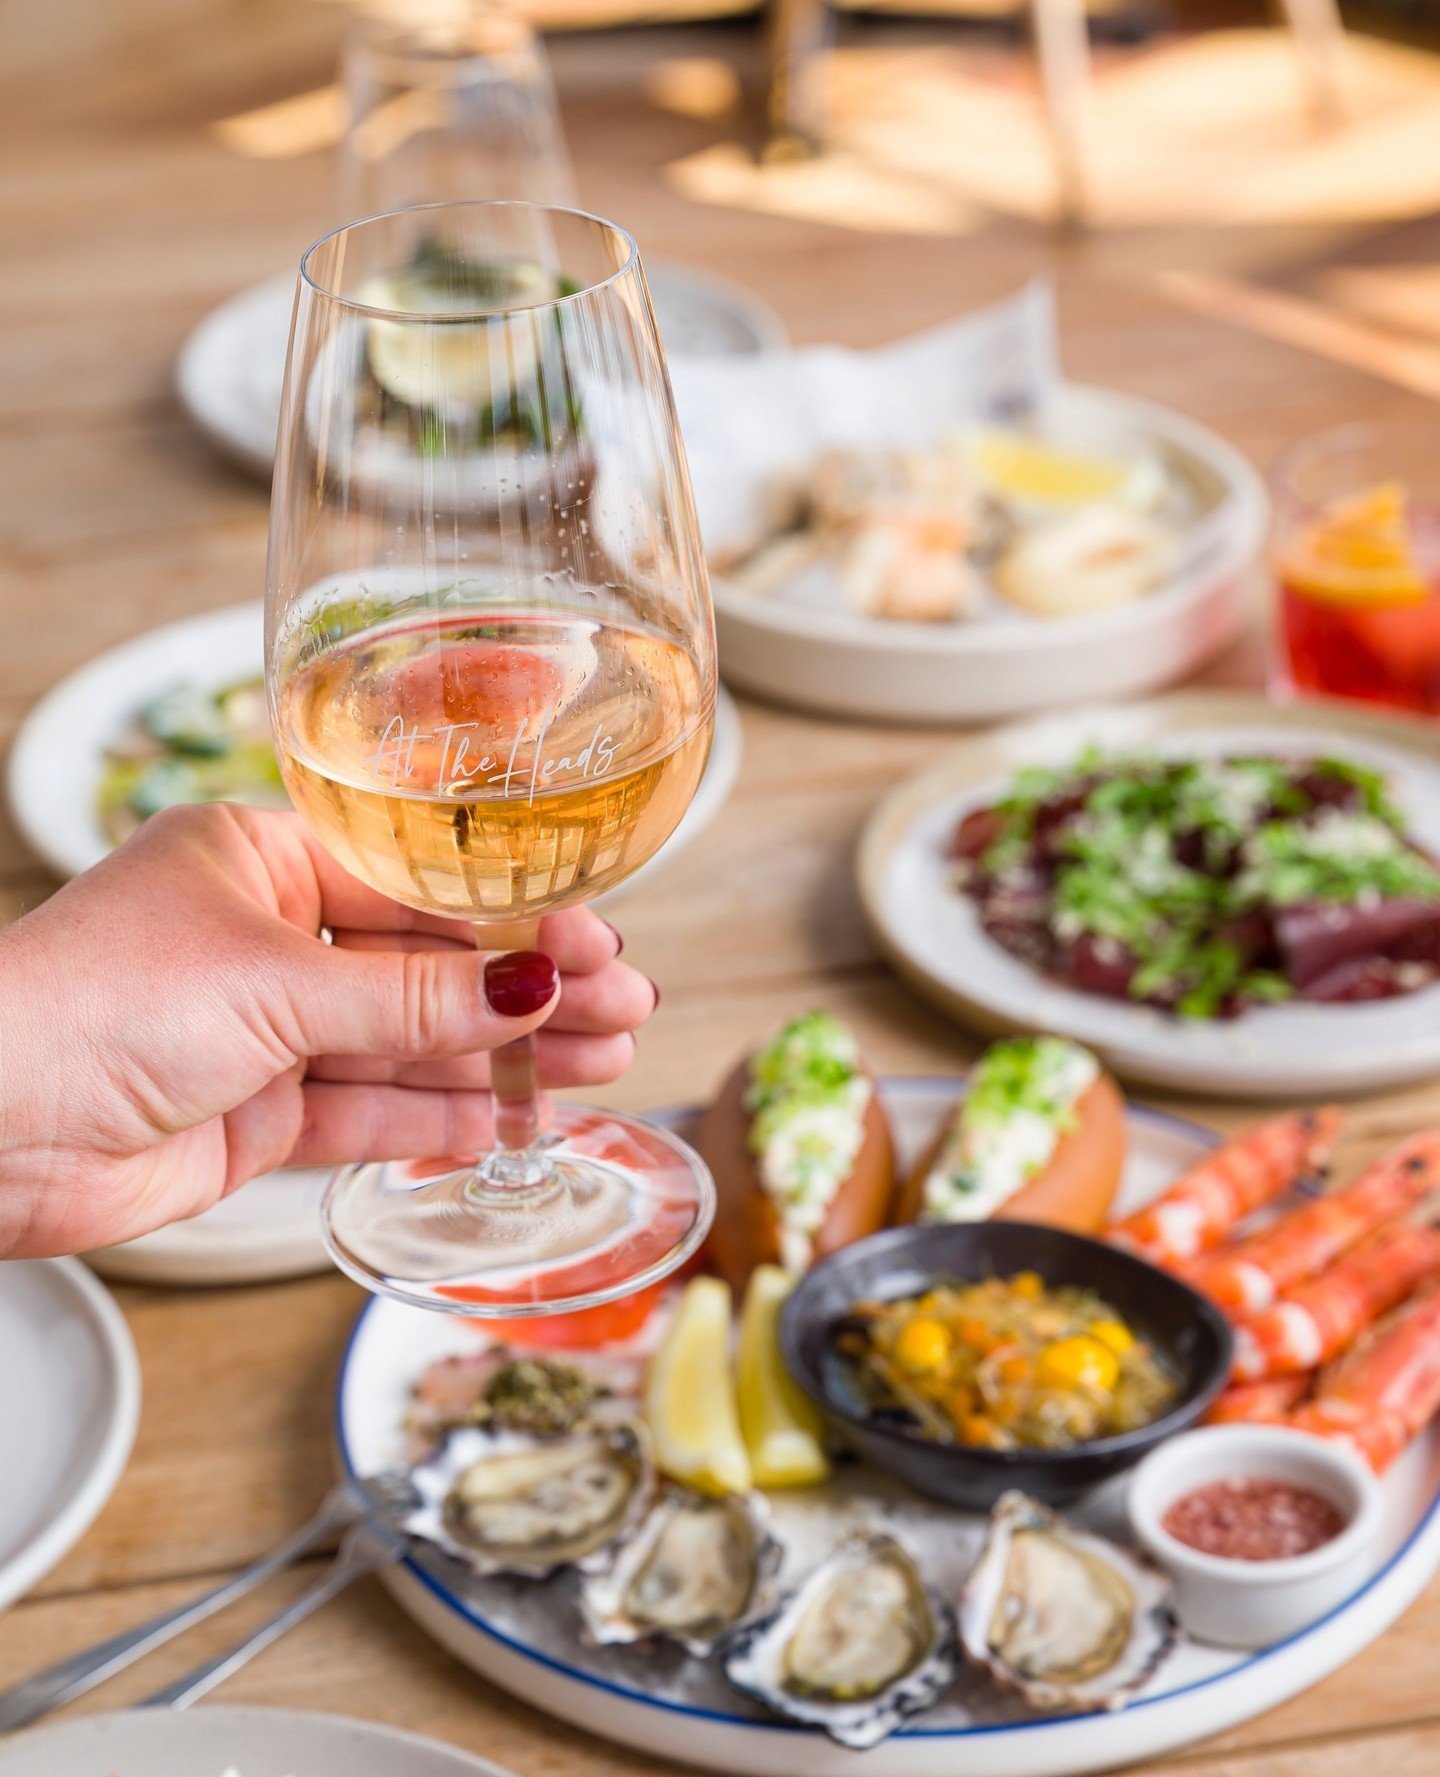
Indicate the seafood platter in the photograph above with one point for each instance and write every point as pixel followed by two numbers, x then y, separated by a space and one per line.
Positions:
pixel 1212 892
pixel 944 529
pixel 1008 1426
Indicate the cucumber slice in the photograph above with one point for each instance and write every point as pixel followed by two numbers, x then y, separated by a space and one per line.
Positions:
pixel 189 720
pixel 166 784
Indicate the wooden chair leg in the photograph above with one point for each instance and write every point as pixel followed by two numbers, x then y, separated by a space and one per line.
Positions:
pixel 1319 34
pixel 1062 46
pixel 799 37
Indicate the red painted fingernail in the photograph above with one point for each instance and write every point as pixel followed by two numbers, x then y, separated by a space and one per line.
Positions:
pixel 655 985
pixel 619 940
pixel 520 983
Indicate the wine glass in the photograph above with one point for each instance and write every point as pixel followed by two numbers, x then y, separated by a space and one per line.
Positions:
pixel 491 668
pixel 452 104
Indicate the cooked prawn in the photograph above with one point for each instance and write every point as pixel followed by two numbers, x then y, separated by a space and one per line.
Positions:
pixel 1250 1274
pixel 1319 1318
pixel 1259 1403
pixel 1241 1176
pixel 1385 1389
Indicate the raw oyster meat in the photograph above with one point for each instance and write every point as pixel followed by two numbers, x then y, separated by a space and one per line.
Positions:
pixel 693 1569
pixel 1065 1618
pixel 860 1644
pixel 511 1502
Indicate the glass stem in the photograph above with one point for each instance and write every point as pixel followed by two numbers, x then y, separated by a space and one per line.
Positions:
pixel 516 1161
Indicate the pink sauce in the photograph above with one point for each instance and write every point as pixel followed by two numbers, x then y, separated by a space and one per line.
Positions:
pixel 1252 1519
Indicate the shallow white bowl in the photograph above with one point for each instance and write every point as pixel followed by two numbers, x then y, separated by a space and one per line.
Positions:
pixel 1013 665
pixel 1254 1603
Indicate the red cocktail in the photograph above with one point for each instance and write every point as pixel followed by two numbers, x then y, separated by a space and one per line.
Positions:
pixel 1357 564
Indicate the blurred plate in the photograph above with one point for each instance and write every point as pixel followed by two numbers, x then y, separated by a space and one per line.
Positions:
pixel 59 754
pixel 267 1230
pixel 270 1229
pixel 232 366
pixel 207 1742
pixel 69 1403
pixel 1006 664
pixel 933 937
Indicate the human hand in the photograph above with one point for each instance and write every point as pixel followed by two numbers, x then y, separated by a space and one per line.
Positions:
pixel 174 1023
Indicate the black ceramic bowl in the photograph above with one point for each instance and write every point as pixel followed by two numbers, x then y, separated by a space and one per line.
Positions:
pixel 1183 1327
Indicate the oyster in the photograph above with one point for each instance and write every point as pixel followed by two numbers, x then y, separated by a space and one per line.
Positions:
pixel 514 1502
pixel 693 1569
pixel 860 1644
pixel 1067 1619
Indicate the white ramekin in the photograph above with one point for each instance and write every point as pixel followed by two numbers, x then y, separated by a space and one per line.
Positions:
pixel 1256 1603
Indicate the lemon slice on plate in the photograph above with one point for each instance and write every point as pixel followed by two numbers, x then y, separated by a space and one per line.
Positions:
pixel 1359 553
pixel 690 1395
pixel 783 1432
pixel 1017 467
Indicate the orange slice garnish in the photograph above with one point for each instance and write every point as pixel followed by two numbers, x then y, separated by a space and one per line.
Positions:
pixel 1359 553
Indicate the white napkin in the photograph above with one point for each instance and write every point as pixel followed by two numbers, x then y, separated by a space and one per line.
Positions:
pixel 748 421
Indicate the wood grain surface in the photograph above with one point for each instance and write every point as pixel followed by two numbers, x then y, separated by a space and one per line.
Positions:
pixel 127 211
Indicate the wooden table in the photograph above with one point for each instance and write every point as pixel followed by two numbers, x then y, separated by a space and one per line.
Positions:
pixel 126 217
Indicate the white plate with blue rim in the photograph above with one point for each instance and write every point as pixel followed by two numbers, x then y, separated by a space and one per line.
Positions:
pixel 524 1636
pixel 70 1405
pixel 210 1742
pixel 271 1229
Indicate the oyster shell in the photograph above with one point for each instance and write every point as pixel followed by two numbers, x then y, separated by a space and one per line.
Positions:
pixel 513 1502
pixel 693 1569
pixel 1065 1618
pixel 860 1644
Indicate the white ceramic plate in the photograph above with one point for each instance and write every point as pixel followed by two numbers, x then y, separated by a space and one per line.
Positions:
pixel 270 1229
pixel 59 754
pixel 1297 1050
pixel 69 1403
pixel 1005 664
pixel 231 367
pixel 206 1742
pixel 524 1638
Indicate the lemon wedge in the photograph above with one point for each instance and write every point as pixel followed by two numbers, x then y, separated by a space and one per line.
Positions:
pixel 690 1395
pixel 1016 467
pixel 782 1430
pixel 1359 553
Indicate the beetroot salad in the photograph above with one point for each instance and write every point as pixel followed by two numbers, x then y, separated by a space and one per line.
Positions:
pixel 1206 886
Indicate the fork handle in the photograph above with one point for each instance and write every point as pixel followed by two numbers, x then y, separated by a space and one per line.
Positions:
pixel 71 1678
pixel 356 1557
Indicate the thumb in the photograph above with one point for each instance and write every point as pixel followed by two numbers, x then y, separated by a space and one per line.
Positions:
pixel 414 1004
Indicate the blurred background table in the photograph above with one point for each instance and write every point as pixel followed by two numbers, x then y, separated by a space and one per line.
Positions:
pixel 158 155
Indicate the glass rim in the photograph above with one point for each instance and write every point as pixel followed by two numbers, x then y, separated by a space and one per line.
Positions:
pixel 382 42
pixel 1293 458
pixel 452 317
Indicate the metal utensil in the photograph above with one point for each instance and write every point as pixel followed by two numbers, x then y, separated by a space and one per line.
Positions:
pixel 365 1547
pixel 385 1494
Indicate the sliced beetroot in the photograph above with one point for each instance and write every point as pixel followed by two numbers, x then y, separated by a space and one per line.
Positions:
pixel 1098 965
pixel 1357 978
pixel 977 833
pixel 1318 937
pixel 1253 935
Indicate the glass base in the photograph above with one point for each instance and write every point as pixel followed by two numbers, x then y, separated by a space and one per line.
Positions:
pixel 624 1205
